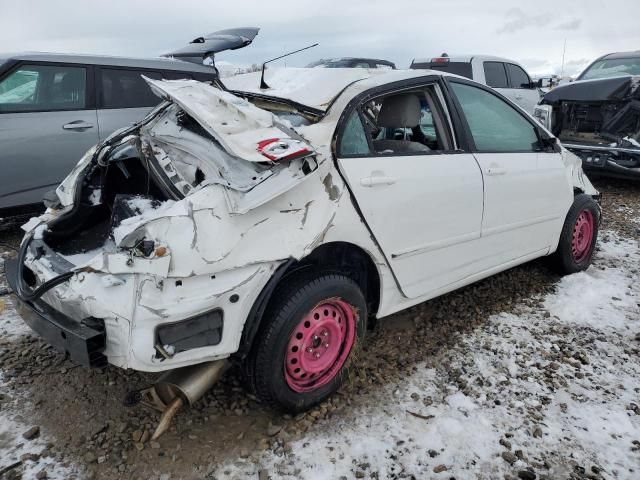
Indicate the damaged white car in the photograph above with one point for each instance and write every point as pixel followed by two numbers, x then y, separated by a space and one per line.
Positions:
pixel 267 227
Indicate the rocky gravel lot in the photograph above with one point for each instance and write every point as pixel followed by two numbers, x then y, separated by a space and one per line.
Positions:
pixel 523 375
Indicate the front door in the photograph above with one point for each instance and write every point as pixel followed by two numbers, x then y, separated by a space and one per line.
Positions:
pixel 525 184
pixel 421 198
pixel 46 126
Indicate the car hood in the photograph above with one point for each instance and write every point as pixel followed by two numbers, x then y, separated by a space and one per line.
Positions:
pixel 598 90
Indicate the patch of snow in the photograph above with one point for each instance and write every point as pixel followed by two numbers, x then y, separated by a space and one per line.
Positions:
pixel 11 324
pixel 599 297
pixel 148 211
pixel 13 446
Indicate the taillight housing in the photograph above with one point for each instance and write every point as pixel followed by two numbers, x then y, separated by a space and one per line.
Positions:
pixel 278 149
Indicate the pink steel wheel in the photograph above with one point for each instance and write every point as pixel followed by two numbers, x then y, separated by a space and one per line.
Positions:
pixel 582 236
pixel 319 345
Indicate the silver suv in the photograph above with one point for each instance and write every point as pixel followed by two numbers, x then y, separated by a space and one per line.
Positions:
pixel 54 107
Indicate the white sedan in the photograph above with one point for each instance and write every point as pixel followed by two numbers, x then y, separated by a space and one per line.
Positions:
pixel 266 226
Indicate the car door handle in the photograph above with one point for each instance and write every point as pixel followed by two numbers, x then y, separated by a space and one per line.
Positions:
pixel 77 125
pixel 375 180
pixel 492 171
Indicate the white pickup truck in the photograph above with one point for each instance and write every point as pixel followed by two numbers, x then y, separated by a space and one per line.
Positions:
pixel 504 75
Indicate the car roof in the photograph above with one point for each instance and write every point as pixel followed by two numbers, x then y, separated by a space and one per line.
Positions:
pixel 113 61
pixel 318 87
pixel 613 56
pixel 466 59
pixel 355 58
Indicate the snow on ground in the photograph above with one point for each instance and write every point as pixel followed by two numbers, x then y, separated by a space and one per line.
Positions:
pixel 550 390
pixel 13 446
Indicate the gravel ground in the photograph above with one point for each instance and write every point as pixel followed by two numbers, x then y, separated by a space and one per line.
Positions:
pixel 522 375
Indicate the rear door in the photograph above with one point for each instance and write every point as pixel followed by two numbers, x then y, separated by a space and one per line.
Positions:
pixel 47 122
pixel 526 193
pixel 420 195
pixel 123 97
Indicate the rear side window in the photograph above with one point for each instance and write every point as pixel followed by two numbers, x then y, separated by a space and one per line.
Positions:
pixel 354 138
pixel 519 78
pixel 38 88
pixel 495 125
pixel 121 88
pixel 457 68
pixel 495 75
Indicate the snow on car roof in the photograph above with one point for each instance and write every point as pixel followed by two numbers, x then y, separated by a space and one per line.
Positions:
pixel 315 87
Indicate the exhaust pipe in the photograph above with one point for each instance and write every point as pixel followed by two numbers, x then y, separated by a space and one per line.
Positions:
pixel 181 386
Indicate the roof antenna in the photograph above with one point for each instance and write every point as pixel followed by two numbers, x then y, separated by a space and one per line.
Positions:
pixel 263 84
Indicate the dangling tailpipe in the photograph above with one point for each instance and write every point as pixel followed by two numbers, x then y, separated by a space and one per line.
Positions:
pixel 178 387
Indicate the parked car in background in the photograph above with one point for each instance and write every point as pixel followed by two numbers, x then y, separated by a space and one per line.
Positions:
pixel 54 107
pixel 597 116
pixel 506 76
pixel 351 62
pixel 266 226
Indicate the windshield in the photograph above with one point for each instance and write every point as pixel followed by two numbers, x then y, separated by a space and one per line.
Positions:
pixel 615 67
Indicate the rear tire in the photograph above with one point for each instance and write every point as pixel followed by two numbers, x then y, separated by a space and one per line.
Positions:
pixel 578 238
pixel 311 332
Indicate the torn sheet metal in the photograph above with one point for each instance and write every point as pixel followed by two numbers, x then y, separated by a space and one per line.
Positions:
pixel 234 122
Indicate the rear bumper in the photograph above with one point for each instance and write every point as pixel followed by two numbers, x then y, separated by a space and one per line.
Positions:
pixel 84 344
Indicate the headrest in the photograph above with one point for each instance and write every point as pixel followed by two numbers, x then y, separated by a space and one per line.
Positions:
pixel 401 110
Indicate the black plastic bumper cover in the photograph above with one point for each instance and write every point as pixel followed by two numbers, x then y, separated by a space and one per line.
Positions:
pixel 83 344
pixel 601 162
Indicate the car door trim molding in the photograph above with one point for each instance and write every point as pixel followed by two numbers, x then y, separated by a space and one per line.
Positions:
pixel 429 247
pixel 516 225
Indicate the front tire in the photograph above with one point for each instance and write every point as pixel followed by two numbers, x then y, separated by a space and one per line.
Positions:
pixel 310 334
pixel 579 235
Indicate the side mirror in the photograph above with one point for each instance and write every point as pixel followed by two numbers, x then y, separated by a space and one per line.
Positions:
pixel 537 84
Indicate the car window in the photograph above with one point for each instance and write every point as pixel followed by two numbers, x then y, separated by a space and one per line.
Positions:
pixel 174 75
pixel 405 123
pixel 457 68
pixel 614 67
pixel 495 125
pixel 121 88
pixel 495 75
pixel 354 137
pixel 519 78
pixel 36 88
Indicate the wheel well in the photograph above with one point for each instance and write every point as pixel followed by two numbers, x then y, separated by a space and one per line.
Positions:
pixel 342 257
pixel 348 259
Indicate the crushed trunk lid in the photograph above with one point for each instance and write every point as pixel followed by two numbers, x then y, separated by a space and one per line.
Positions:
pixel 208 45
pixel 238 125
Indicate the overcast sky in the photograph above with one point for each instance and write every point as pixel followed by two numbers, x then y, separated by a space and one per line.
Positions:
pixel 531 32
